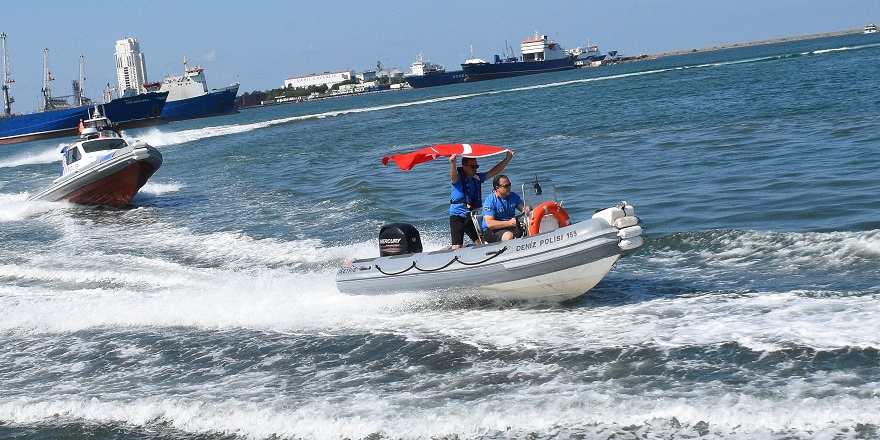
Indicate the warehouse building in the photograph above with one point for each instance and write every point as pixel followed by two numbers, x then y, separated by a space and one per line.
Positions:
pixel 317 79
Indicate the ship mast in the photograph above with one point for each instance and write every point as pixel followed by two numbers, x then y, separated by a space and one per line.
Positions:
pixel 47 76
pixel 7 79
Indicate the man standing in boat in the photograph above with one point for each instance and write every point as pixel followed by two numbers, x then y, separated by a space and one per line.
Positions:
pixel 499 211
pixel 466 195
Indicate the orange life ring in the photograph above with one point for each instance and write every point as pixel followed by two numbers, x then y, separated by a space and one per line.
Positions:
pixel 547 208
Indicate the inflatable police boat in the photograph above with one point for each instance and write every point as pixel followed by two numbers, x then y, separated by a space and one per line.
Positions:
pixel 554 260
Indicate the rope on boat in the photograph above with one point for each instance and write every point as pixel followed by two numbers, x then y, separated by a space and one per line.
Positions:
pixel 398 273
pixel 453 260
pixel 500 251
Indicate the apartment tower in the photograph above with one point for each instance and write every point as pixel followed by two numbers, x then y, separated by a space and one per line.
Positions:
pixel 131 69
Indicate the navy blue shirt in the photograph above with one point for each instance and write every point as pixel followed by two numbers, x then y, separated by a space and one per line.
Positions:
pixel 465 192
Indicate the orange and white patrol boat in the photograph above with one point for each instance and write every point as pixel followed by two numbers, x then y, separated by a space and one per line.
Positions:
pixel 101 167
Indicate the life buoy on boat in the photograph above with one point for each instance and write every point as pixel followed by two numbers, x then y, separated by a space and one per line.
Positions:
pixel 544 209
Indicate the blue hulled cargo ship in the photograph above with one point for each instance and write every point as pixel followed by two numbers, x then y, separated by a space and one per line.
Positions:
pixel 213 103
pixel 40 125
pixel 427 74
pixel 539 55
pixel 189 97
pixel 136 111
pixel 54 122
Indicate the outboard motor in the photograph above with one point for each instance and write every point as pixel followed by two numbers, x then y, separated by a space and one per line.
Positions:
pixel 398 239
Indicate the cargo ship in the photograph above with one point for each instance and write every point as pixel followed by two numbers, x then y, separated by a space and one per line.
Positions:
pixel 587 56
pixel 427 74
pixel 539 55
pixel 48 123
pixel 40 125
pixel 136 111
pixel 189 97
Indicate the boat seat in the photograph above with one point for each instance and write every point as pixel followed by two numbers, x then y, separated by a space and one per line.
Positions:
pixel 477 218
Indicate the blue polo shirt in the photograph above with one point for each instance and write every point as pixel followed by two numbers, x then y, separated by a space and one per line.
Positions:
pixel 500 209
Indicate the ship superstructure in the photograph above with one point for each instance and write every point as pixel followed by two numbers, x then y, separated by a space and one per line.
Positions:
pixel 427 74
pixel 191 85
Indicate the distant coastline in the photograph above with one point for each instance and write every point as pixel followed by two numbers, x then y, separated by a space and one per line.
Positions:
pixel 624 59
pixel 754 43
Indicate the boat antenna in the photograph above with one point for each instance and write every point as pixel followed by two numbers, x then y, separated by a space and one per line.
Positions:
pixel 7 79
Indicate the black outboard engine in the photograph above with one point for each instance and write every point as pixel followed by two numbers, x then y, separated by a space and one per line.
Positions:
pixel 398 239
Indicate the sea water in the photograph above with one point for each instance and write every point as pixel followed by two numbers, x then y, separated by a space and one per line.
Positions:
pixel 210 310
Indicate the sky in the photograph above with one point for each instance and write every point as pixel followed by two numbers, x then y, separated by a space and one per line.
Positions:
pixel 259 43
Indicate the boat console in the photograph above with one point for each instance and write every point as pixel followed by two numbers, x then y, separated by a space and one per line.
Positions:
pixel 547 214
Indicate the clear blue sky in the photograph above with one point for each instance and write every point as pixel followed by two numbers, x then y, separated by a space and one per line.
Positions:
pixel 260 43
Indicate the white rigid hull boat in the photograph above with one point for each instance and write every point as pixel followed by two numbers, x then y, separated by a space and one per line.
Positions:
pixel 556 263
pixel 101 167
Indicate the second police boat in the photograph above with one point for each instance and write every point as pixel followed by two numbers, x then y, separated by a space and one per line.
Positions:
pixel 101 167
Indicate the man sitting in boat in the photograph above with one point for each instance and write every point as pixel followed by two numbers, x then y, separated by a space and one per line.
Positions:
pixel 499 211
pixel 466 197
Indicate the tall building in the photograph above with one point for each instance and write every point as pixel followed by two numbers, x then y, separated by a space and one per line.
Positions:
pixel 131 69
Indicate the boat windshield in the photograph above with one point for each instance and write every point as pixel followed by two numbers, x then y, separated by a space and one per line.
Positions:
pixel 103 145
pixel 536 191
